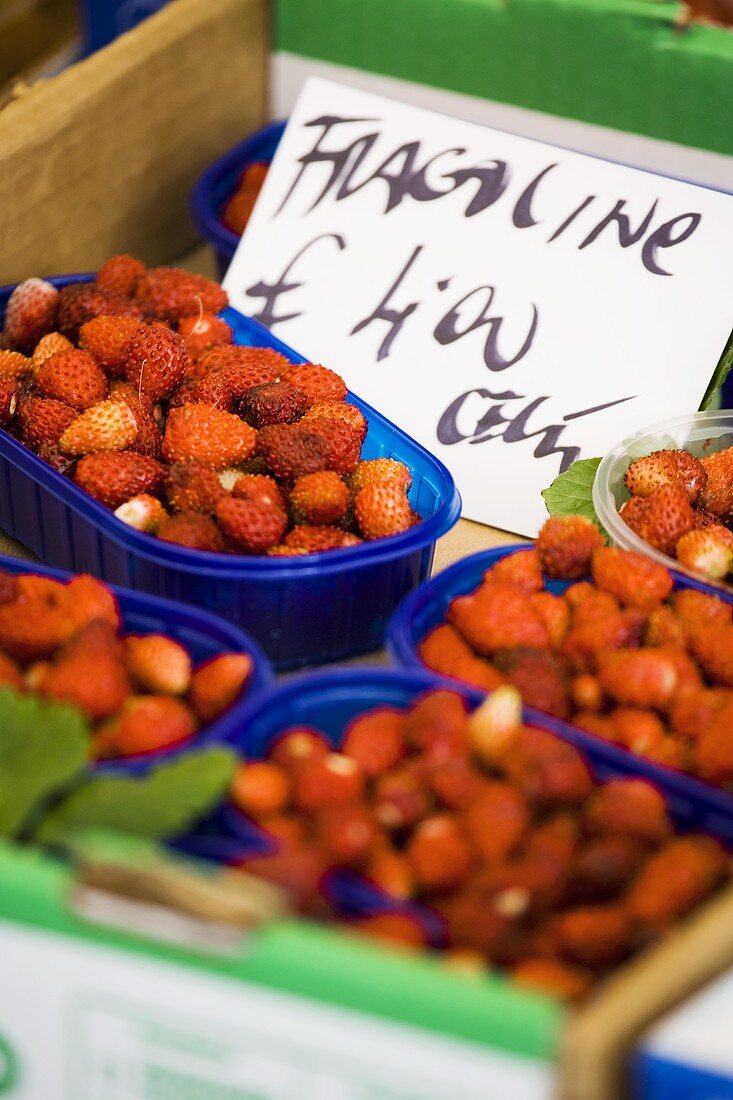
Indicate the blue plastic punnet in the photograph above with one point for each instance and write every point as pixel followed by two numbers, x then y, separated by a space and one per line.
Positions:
pixel 302 610
pixel 203 635
pixel 695 803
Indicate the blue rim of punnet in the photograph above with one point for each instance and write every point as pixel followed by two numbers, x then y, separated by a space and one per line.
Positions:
pixel 204 635
pixel 708 807
pixel 217 184
pixel 329 700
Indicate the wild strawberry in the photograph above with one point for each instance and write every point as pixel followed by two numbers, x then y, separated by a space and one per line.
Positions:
pixel 214 437
pixel 663 627
pixel 318 383
pixel 193 487
pixel 479 673
pixel 88 672
pixel 675 879
pixel 30 313
pixel 402 796
pixel 342 443
pixel 120 275
pixel 443 649
pixel 156 360
pixel 520 570
pixel 342 410
pixel 397 930
pixel 496 821
pixel 498 617
pixel 288 830
pixel 13 364
pixel 314 540
pixel 260 788
pixel 595 935
pixel 253 366
pixel 634 579
pixel 565 545
pixel 592 722
pixel 258 487
pixel 143 512
pixel 554 613
pixel 382 509
pixel 170 294
pixel 217 683
pixel 713 748
pixel 9 587
pixel 698 611
pixel 553 978
pixel 713 649
pixel 603 866
pixel 107 340
pixel 297 744
pixel 629 808
pixel 538 675
pixel 146 723
pixel 648 474
pixel 376 740
pixel 203 332
pixel 597 605
pixel 637 677
pixel 321 498
pixel 72 377
pixel 707 550
pixel 586 692
pixel 50 344
pixel 87 600
pixel 34 621
pixel 194 530
pixel 292 450
pixel 272 403
pixel 9 393
pixel 390 871
pixel 639 730
pixel 585 641
pixel 548 771
pixel 453 781
pixel 717 496
pixel 493 728
pixel 437 719
pixel 80 302
pixel 113 477
pixel 666 515
pixel 148 441
pixel 251 525
pixel 692 712
pixel 346 834
pixel 439 854
pixel 158 664
pixel 332 780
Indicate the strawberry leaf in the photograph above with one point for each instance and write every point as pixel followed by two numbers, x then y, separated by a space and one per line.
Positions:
pixel 572 491
pixel 43 747
pixel 160 804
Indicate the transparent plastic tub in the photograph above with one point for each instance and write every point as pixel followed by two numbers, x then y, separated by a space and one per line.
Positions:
pixel 701 433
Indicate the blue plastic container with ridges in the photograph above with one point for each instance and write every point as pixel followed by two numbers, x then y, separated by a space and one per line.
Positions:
pixel 203 635
pixel 219 182
pixel 699 804
pixel 329 700
pixel 323 607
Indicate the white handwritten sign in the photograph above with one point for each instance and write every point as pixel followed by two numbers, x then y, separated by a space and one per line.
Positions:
pixel 512 305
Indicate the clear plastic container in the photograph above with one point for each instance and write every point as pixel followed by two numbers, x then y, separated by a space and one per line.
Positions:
pixel 701 433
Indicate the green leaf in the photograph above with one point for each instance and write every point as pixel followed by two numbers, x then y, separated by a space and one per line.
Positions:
pixel 43 746
pixel 160 804
pixel 725 364
pixel 572 492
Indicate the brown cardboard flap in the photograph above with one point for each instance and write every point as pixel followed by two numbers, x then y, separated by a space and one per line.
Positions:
pixel 101 158
pixel 599 1038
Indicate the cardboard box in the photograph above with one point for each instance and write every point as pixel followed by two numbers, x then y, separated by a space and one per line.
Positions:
pixel 101 158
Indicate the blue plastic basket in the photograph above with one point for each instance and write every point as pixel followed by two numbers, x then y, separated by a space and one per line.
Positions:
pixel 302 610
pixel 697 803
pixel 203 635
pixel 219 182
pixel 329 700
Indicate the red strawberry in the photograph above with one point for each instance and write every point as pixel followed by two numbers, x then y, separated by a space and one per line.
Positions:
pixel 9 393
pixel 146 723
pixel 156 360
pixel 106 426
pixel 707 550
pixel 321 498
pixel 30 313
pixel 201 432
pixel 194 530
pixel 13 364
pixel 637 677
pixel 341 410
pixel 318 383
pixel 647 474
pixel 80 302
pixel 217 683
pixel 272 403
pixel 663 517
pixel 107 340
pixel 143 512
pixel 498 617
pixel 113 477
pixel 342 442
pixel 262 364
pixel 378 469
pixel 89 672
pixel 634 579
pixel 148 441
pixel 521 570
pixel 251 525
pixel 717 496
pixel 382 509
pixel 203 332
pixel 158 664
pixel 120 275
pixel 42 420
pixel 48 345
pixel 259 487
pixel 193 487
pixel 72 377
pixel 292 450
pixel 226 386
pixel 565 545
pixel 314 540
pixel 170 294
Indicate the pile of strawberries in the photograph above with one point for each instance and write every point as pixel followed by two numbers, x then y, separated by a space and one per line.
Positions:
pixel 683 506
pixel 131 386
pixel 620 655
pixel 238 208
pixel 140 693
pixel 496 826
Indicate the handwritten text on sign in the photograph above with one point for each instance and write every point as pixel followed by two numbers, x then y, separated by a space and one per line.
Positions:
pixel 512 305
